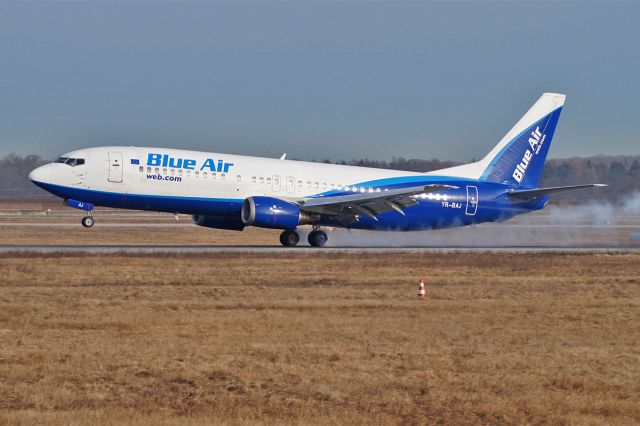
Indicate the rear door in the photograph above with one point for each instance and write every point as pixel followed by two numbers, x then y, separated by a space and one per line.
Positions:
pixel 115 167
pixel 472 200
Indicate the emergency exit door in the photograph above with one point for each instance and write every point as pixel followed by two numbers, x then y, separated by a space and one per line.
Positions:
pixel 291 184
pixel 275 183
pixel 115 167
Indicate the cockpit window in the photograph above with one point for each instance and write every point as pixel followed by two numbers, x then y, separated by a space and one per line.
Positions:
pixel 70 161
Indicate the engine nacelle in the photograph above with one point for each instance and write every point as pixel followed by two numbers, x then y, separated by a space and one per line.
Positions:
pixel 269 212
pixel 219 222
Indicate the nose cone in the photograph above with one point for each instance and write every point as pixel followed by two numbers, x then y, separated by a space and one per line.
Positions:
pixel 41 175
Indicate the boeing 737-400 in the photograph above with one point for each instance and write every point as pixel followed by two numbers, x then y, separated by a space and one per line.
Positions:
pixel 232 191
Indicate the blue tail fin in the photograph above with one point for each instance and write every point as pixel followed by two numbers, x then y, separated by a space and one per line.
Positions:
pixel 519 157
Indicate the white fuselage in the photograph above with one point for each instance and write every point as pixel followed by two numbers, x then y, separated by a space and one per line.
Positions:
pixel 172 172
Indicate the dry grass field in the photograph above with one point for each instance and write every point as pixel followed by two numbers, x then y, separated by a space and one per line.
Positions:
pixel 307 338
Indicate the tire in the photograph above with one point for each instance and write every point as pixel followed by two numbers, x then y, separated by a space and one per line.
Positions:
pixel 318 238
pixel 88 221
pixel 289 238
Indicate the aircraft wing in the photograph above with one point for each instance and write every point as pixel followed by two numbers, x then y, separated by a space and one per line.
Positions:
pixel 526 194
pixel 347 208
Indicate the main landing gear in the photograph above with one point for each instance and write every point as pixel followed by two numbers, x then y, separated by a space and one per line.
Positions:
pixel 317 238
pixel 88 221
pixel 291 238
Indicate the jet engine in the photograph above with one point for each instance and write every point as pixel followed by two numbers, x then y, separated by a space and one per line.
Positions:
pixel 269 212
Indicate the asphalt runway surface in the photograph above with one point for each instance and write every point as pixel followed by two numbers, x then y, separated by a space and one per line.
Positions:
pixel 540 232
pixel 182 225
pixel 185 249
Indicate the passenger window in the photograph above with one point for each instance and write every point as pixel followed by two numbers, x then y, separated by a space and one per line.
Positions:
pixel 239 178
pixel 173 172
pixel 141 169
pixel 308 184
pixel 148 169
pixel 157 171
pixel 222 176
pixel 268 181
pixel 188 172
pixel 180 172
pixel 164 171
pixel 205 174
pixel 253 179
pixel 213 175
pixel 197 173
pixel 261 179
pixel 317 185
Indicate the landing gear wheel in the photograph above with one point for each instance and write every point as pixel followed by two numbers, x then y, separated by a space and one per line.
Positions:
pixel 318 238
pixel 87 221
pixel 289 238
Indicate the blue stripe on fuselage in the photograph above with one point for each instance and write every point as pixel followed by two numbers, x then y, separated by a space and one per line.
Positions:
pixel 161 203
pixel 427 214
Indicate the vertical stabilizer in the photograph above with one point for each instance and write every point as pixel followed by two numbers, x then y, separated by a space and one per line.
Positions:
pixel 518 159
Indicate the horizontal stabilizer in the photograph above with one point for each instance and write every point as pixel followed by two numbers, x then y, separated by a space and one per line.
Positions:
pixel 539 192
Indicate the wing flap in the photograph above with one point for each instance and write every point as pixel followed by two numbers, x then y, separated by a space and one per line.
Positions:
pixel 369 204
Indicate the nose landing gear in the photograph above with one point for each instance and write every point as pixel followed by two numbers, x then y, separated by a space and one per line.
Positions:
pixel 87 221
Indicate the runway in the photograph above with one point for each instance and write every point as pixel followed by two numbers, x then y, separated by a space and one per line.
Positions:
pixel 190 249
pixel 75 225
pixel 163 234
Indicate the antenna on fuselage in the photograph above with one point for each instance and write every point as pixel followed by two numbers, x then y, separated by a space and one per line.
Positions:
pixel 284 156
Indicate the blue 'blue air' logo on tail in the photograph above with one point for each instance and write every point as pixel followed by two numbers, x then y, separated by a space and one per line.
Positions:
pixel 521 161
pixel 536 140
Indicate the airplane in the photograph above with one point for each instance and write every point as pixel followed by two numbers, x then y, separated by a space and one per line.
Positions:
pixel 232 192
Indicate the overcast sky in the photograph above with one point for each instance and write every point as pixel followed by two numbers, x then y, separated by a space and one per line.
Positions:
pixel 335 80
